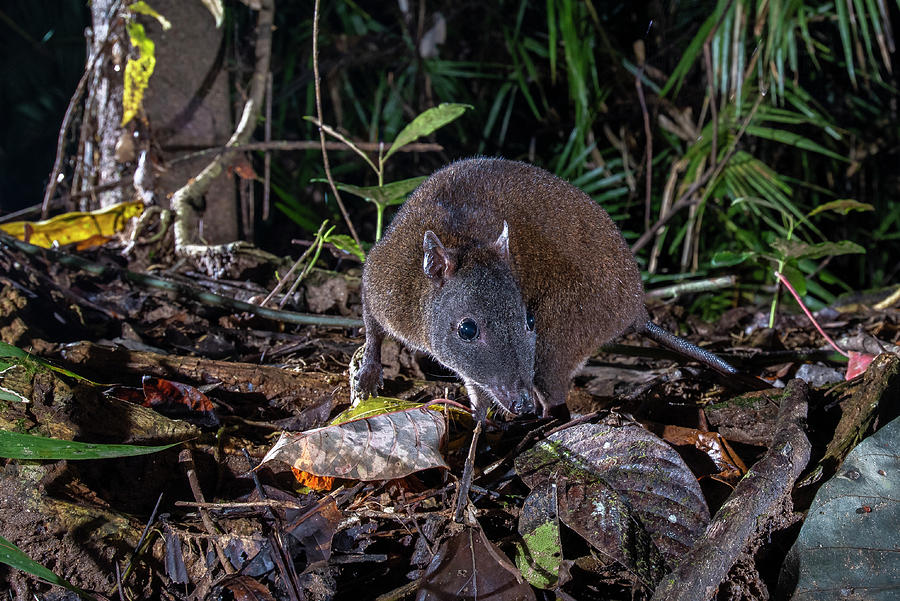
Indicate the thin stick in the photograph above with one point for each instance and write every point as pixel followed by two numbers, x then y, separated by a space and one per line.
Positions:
pixel 649 148
pixel 334 190
pixel 465 483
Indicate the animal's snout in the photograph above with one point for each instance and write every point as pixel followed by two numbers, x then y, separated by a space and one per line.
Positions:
pixel 522 404
pixel 516 399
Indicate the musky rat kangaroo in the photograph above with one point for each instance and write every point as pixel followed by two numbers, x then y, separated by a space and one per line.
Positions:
pixel 509 276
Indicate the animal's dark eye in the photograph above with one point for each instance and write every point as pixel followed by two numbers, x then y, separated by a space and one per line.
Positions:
pixel 529 321
pixel 467 330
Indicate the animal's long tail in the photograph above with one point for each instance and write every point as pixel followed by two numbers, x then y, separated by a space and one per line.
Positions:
pixel 692 351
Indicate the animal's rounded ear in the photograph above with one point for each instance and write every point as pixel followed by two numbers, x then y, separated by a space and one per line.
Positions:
pixel 502 243
pixel 439 262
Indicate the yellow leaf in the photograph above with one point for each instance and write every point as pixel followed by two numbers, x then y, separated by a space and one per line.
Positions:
pixel 137 72
pixel 74 227
pixel 143 8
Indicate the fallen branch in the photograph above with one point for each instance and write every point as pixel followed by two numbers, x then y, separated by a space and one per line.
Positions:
pixel 764 487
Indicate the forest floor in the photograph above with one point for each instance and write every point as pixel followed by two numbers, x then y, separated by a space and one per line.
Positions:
pixel 196 521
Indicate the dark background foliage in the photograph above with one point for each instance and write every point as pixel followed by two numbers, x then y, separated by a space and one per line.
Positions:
pixel 554 83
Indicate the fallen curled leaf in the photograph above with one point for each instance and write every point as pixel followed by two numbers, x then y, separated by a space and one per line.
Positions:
pixel 469 566
pixel 712 444
pixel 858 363
pixel 381 447
pixel 170 398
pixel 69 228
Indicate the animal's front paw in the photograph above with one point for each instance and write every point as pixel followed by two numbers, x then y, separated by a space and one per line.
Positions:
pixel 365 376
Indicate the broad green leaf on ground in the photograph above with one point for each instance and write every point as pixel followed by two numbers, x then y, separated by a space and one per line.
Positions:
pixel 794 249
pixel 851 534
pixel 469 566
pixel 842 206
pixel 621 480
pixel 14 445
pixel 389 194
pixel 372 406
pixel 14 557
pixel 381 447
pixel 539 556
pixel 425 123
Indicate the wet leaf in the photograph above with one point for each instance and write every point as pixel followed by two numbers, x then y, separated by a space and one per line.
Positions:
pixel 617 482
pixel 175 568
pixel 851 534
pixel 539 556
pixel 381 447
pixel 14 445
pixel 425 123
pixel 469 566
pixel 74 227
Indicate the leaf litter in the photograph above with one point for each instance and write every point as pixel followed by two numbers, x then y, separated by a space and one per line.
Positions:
pixel 603 508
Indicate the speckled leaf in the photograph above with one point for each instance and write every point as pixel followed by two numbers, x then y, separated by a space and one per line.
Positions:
pixel 381 447
pixel 848 545
pixel 539 556
pixel 623 471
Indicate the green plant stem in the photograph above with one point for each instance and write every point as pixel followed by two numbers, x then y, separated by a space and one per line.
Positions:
pixel 379 211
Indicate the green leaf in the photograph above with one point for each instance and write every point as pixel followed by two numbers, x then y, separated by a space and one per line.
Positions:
pixel 795 277
pixel 14 557
pixel 794 249
pixel 427 122
pixel 727 258
pixel 393 193
pixel 792 139
pixel 842 206
pixel 346 244
pixel 14 445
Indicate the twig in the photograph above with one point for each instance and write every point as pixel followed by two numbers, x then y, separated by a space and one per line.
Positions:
pixel 334 190
pixel 305 145
pixel 691 287
pixel 649 147
pixel 267 159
